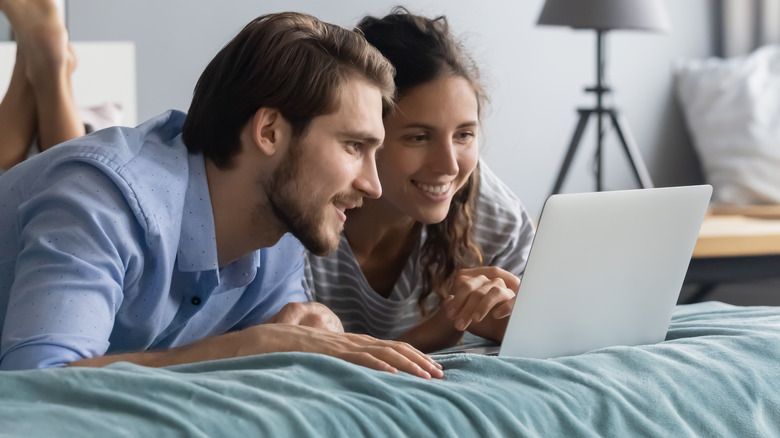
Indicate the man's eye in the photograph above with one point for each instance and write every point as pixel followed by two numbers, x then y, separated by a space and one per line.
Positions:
pixel 353 147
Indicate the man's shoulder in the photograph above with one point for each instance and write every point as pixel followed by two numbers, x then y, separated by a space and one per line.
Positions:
pixel 146 166
pixel 153 144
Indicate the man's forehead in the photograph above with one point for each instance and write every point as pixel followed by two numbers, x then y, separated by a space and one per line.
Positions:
pixel 359 109
pixel 356 93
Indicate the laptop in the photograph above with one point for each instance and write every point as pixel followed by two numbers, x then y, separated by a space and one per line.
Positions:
pixel 605 269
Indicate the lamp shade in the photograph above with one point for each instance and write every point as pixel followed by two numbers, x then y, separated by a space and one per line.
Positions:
pixel 606 14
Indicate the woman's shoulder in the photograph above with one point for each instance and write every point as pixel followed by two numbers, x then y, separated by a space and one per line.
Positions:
pixel 326 263
pixel 502 226
pixel 496 198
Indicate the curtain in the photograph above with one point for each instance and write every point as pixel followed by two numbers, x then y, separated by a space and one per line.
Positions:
pixel 747 24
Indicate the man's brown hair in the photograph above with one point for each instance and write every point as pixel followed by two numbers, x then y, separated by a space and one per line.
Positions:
pixel 290 62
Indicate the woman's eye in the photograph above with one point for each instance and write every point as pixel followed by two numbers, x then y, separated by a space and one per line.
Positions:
pixel 464 136
pixel 417 138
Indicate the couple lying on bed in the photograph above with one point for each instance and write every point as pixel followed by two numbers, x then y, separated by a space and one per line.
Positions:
pixel 170 242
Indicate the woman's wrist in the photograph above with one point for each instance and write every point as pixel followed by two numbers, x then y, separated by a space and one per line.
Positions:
pixel 434 333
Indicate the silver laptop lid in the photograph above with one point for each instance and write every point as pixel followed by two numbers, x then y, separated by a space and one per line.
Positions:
pixel 605 269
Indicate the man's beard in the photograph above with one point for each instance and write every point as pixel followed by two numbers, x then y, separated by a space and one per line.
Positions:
pixel 296 208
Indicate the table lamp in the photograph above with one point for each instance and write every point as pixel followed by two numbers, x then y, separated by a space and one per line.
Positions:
pixel 603 16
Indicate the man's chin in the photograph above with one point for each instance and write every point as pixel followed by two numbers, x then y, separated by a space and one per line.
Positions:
pixel 319 245
pixel 321 249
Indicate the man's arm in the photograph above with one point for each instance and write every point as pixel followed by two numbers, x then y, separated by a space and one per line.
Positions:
pixel 69 273
pixel 362 350
pixel 310 314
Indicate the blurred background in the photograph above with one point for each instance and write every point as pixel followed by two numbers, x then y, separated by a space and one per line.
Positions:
pixel 535 75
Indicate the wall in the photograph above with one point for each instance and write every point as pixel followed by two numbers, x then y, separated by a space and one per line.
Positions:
pixel 535 75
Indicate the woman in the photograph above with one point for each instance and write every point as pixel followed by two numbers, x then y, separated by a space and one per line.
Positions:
pixel 439 252
pixel 39 100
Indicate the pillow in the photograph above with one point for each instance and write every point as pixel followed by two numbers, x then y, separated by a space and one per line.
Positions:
pixel 98 117
pixel 732 109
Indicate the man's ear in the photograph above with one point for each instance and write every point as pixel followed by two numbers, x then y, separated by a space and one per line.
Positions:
pixel 269 130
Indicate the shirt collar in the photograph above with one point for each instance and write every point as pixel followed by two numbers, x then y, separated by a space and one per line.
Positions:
pixel 198 241
pixel 241 272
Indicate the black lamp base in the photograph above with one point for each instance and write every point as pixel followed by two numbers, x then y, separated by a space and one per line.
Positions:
pixel 621 128
pixel 627 142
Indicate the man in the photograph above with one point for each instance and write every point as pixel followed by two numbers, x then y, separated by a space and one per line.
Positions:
pixel 167 243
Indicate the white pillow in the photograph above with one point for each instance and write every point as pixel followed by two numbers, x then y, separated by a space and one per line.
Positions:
pixel 732 108
pixel 98 117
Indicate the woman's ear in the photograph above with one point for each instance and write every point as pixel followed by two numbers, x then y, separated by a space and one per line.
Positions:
pixel 269 129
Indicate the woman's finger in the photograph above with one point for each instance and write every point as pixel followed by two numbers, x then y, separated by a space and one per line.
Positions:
pixel 493 298
pixel 462 319
pixel 503 310
pixel 492 272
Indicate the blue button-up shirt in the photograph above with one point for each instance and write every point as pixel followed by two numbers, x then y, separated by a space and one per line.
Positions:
pixel 107 245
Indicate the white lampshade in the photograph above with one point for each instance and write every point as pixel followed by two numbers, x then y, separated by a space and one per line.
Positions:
pixel 606 14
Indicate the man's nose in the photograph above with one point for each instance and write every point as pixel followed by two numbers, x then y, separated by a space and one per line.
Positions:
pixel 367 181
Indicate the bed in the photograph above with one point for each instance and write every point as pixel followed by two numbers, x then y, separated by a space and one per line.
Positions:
pixel 716 374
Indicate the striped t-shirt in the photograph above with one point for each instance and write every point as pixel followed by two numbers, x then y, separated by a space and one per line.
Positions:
pixel 503 230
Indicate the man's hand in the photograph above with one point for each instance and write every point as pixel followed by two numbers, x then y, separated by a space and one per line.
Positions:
pixel 382 355
pixel 478 292
pixel 391 356
pixel 310 314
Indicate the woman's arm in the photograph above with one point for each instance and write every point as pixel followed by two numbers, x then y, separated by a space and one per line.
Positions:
pixel 480 301
pixel 435 333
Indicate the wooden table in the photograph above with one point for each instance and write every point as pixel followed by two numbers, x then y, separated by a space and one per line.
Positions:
pixel 736 244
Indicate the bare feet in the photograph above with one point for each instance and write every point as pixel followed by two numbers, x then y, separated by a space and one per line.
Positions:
pixel 18 117
pixel 49 61
pixel 40 33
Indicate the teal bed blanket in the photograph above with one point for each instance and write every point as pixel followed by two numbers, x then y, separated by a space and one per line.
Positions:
pixel 716 375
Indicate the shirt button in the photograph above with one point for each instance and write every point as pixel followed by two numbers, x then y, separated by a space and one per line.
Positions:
pixel 195 301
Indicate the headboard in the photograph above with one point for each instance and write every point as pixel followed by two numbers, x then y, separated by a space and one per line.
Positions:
pixel 105 74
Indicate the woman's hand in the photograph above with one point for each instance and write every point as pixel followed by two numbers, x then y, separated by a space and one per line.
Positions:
pixel 481 299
